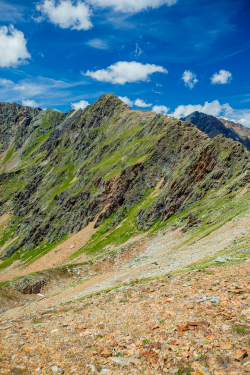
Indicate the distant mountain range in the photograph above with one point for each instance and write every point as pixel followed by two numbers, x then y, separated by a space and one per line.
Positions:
pixel 213 126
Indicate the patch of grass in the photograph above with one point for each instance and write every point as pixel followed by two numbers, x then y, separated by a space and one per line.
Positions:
pixel 9 155
pixel 117 236
pixel 240 330
pixel 37 321
pixel 120 354
pixel 184 369
pixel 223 360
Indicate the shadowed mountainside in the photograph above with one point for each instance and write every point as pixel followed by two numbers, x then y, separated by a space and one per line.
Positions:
pixel 213 126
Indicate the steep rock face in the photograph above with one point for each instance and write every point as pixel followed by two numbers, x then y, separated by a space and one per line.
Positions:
pixel 89 164
pixel 14 121
pixel 213 126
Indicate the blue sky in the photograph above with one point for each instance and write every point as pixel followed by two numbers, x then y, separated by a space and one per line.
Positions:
pixel 172 56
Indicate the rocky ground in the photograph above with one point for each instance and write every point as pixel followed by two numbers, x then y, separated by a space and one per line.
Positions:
pixel 196 322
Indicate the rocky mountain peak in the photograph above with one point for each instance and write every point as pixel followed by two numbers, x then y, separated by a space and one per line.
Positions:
pixel 213 126
pixel 14 120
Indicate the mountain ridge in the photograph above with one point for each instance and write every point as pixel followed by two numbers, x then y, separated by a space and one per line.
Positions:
pixel 213 126
pixel 101 163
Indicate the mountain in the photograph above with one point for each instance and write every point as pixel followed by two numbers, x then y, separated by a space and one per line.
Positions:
pixel 120 169
pixel 15 122
pixel 213 126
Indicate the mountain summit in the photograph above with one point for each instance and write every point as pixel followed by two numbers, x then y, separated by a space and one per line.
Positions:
pixel 105 165
pixel 213 126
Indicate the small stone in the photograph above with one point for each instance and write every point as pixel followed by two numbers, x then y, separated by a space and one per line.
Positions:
pixel 105 353
pixel 240 354
pixel 148 353
pixel 125 361
pixel 201 371
pixel 93 368
pixel 154 326
pixel 209 337
pixel 226 346
pixel 55 369
pixel 54 330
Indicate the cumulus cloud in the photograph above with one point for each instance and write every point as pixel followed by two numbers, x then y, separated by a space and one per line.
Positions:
pixel 131 6
pixel 30 103
pixel 222 77
pixel 160 109
pixel 97 43
pixel 123 71
pixel 126 100
pixel 141 103
pixel 189 78
pixel 65 14
pixel 138 102
pixel 216 109
pixel 80 105
pixel 13 47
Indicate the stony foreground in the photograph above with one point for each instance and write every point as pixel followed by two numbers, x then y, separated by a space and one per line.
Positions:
pixel 188 323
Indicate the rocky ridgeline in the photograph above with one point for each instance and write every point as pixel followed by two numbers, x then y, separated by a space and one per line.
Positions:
pixel 213 126
pixel 15 121
pixel 88 164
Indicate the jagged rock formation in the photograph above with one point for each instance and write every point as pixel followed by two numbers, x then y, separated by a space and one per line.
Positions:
pixel 14 123
pixel 89 164
pixel 213 126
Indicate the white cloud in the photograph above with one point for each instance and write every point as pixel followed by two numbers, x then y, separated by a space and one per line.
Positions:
pixel 126 100
pixel 222 77
pixel 141 103
pixel 131 6
pixel 82 104
pixel 123 71
pixel 160 109
pixel 97 43
pixel 30 103
pixel 189 78
pixel 216 109
pixel 138 102
pixel 66 14
pixel 13 47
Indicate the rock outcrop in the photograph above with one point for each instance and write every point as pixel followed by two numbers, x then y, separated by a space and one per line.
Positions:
pixel 14 123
